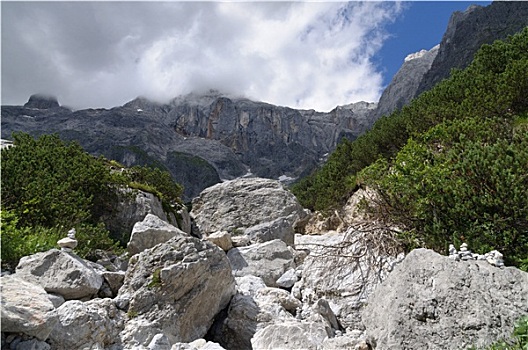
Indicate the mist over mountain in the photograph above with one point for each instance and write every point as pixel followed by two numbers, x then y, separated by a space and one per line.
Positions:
pixel 199 138
pixel 203 138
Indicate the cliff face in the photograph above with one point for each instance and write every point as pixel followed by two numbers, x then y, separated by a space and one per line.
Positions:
pixel 199 138
pixel 404 86
pixel 466 32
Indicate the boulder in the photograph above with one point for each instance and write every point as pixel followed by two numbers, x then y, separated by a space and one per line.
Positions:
pixel 149 232
pixel 288 279
pixel 26 308
pixel 159 342
pixel 114 280
pixel 62 273
pixel 270 296
pixel 56 299
pixel 133 205
pixel 94 324
pixel 249 285
pixel 222 239
pixel 175 288
pixel 431 301
pixel 237 205
pixel 198 344
pixel 280 228
pixel 290 335
pixel 344 268
pixel 251 312
pixel 268 260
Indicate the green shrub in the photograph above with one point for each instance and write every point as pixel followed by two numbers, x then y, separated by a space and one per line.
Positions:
pixel 494 85
pixel 451 166
pixel 50 186
pixel 463 181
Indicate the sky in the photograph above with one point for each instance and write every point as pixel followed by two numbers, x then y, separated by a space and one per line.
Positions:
pixel 309 55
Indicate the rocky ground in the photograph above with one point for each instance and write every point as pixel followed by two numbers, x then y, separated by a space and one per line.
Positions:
pixel 244 278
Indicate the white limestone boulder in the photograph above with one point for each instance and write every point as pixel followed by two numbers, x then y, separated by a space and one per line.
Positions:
pixel 60 272
pixel 94 324
pixel 26 308
pixel 240 204
pixel 149 232
pixel 290 335
pixel 175 288
pixel 268 261
pixel 431 301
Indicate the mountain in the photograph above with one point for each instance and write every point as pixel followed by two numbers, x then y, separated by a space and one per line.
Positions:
pixel 203 138
pixel 466 32
pixel 406 82
pixel 200 138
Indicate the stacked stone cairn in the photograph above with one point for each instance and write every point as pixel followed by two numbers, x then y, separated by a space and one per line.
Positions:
pixel 68 243
pixel 493 257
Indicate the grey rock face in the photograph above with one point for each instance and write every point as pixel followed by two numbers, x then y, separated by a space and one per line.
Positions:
pixel 468 31
pixel 175 288
pixel 201 139
pixel 40 101
pixel 94 324
pixel 268 261
pixel 344 269
pixel 290 335
pixel 149 232
pixel 404 85
pixel 431 301
pixel 26 308
pixel 239 204
pixel 61 273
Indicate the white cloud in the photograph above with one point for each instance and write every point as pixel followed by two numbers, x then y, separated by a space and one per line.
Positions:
pixel 300 54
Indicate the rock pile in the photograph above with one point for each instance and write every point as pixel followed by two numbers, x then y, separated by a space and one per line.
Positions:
pixel 333 291
pixel 68 243
pixel 493 257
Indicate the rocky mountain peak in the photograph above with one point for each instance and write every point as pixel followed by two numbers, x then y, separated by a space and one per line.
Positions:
pixel 405 83
pixel 420 54
pixel 467 31
pixel 42 101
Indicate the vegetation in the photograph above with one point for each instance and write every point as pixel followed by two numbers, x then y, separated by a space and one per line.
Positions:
pixel 156 279
pixel 49 187
pixel 451 166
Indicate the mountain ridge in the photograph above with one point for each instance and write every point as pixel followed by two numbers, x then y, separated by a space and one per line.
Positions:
pixel 234 135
